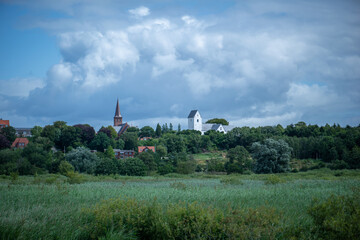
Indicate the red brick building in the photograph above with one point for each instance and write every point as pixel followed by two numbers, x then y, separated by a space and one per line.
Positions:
pixel 20 143
pixel 4 123
pixel 122 154
pixel 146 148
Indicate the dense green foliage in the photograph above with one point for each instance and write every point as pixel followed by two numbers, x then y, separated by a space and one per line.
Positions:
pixel 271 156
pixel 218 121
pixel 262 149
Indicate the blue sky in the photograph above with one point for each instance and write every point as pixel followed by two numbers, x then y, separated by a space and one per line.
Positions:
pixel 254 63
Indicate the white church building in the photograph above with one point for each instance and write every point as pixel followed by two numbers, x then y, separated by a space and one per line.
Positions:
pixel 195 123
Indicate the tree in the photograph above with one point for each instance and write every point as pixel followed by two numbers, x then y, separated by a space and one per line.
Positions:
pixel 218 121
pixel 83 160
pixel 271 156
pixel 87 133
pixel 51 132
pixel 158 130
pixel 171 127
pixel 100 142
pixel 239 160
pixel 105 130
pixel 149 160
pixel 9 132
pixel 4 142
pixel 36 131
pixel 37 155
pixel 133 167
pixel 131 140
pixel 147 131
pixel 179 127
pixel 70 136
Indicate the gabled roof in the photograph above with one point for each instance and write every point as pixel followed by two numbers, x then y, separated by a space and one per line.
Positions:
pixel 117 110
pixel 192 113
pixel 20 140
pixel 121 128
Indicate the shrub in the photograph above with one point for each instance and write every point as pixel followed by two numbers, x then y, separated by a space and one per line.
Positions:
pixel 65 167
pixel 74 178
pixel 180 221
pixel 133 167
pixel 337 217
pixel 82 159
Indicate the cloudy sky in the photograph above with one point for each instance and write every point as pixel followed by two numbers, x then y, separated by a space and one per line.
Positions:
pixel 254 63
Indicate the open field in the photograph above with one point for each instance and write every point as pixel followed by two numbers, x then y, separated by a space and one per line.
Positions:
pixel 45 207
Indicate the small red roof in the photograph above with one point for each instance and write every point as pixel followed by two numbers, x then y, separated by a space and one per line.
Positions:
pixel 20 140
pixel 5 122
pixel 146 148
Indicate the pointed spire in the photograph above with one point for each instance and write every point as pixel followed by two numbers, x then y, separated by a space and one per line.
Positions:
pixel 117 110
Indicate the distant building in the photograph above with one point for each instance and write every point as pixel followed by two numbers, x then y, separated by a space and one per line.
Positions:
pixel 4 123
pixel 20 143
pixel 146 149
pixel 145 138
pixel 122 154
pixel 23 132
pixel 195 123
pixel 119 127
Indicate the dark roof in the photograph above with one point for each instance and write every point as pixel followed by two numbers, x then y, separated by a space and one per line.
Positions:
pixel 117 110
pixel 192 113
pixel 215 126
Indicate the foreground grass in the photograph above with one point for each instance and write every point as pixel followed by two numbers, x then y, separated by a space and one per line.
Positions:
pixel 39 208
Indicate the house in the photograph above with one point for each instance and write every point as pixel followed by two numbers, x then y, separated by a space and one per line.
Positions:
pixel 122 154
pixel 4 123
pixel 23 132
pixel 146 148
pixel 20 143
pixel 195 123
pixel 119 126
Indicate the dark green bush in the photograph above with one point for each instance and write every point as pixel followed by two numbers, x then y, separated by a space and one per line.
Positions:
pixel 180 221
pixel 338 217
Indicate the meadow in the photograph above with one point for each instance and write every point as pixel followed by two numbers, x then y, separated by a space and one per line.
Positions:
pixel 48 207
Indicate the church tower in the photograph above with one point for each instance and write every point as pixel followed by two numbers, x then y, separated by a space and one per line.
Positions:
pixel 118 117
pixel 195 121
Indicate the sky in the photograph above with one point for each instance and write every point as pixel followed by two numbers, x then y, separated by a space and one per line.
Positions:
pixel 254 63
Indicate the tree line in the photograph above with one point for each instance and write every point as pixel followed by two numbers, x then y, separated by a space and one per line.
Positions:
pixel 63 148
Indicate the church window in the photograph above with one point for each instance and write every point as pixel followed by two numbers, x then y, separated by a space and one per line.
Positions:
pixel 197 120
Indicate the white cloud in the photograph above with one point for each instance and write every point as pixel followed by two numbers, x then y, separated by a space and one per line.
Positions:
pixel 97 59
pixel 167 63
pixel 20 87
pixel 140 11
pixel 303 96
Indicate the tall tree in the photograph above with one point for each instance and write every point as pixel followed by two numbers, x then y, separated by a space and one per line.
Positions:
pixel 272 156
pixel 158 130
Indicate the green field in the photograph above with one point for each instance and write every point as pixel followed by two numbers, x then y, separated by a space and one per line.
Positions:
pixel 47 207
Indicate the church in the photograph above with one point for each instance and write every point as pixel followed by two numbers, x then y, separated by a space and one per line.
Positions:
pixel 119 126
pixel 195 123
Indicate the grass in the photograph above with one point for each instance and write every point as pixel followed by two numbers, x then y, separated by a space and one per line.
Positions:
pixel 46 207
pixel 201 158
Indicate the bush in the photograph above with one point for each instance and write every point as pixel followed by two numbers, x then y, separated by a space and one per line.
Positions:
pixel 74 178
pixel 180 221
pixel 337 217
pixel 65 167
pixel 133 167
pixel 83 160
